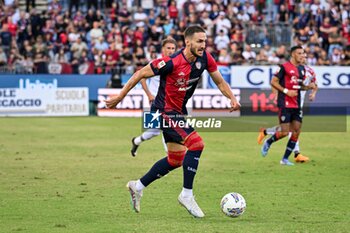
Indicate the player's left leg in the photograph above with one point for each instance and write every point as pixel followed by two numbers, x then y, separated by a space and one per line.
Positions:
pixel 147 135
pixel 295 127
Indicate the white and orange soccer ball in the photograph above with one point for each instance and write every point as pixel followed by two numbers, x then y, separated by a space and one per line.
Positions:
pixel 233 204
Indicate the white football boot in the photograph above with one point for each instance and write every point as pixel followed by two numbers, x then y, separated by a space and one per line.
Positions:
pixel 191 205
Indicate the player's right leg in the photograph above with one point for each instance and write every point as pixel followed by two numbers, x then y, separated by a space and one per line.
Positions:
pixel 158 170
pixel 195 146
pixel 147 135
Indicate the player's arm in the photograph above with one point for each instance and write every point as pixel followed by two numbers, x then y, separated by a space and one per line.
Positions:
pixel 143 73
pixel 275 84
pixel 225 89
pixel 145 88
pixel 313 93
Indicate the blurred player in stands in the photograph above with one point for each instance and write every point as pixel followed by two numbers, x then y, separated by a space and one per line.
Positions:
pixel 310 77
pixel 288 81
pixel 168 48
pixel 179 76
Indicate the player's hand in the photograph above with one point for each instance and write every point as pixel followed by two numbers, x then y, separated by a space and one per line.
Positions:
pixel 113 102
pixel 312 86
pixel 235 105
pixel 292 93
pixel 151 99
pixel 312 96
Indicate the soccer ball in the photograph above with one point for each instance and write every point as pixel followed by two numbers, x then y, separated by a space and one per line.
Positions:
pixel 233 204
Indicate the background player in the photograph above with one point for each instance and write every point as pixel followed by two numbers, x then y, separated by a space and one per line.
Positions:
pixel 168 48
pixel 288 81
pixel 179 76
pixel 310 77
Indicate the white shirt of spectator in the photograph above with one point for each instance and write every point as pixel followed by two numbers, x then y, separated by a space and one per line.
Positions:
pixel 72 37
pixel 95 33
pixel 314 7
pixel 249 55
pixel 203 7
pixel 222 24
pixel 140 16
pixel 221 41
pixel 147 4
pixel 242 16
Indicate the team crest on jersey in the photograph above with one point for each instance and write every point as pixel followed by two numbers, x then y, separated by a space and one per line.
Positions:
pixel 161 64
pixel 283 118
pixel 198 65
pixel 180 82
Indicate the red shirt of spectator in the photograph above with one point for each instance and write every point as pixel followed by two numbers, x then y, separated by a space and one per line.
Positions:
pixel 172 10
pixel 12 28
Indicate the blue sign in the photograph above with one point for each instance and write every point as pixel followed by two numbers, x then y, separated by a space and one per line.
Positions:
pixel 151 120
pixel 93 82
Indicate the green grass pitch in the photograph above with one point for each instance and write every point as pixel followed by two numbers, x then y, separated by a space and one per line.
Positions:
pixel 69 175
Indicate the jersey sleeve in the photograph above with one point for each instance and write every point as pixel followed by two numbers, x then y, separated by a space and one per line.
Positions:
pixel 314 80
pixel 280 72
pixel 212 67
pixel 161 65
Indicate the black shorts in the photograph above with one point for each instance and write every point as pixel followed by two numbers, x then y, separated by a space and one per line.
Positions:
pixel 174 126
pixel 287 115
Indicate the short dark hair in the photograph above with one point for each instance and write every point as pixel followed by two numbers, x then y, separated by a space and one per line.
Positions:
pixel 295 48
pixel 191 30
pixel 169 40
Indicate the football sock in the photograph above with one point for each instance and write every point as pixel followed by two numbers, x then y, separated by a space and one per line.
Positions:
pixel 139 186
pixel 290 147
pixel 272 130
pixel 296 149
pixel 274 138
pixel 190 165
pixel 186 192
pixel 159 169
pixel 138 140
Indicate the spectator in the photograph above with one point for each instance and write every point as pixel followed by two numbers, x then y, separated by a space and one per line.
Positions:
pixel 140 16
pixel 335 57
pixel 95 32
pixel 262 57
pixel 222 40
pixel 5 38
pixel 101 44
pixel 61 57
pixel 222 23
pixel 224 57
pixel 248 54
pixel 323 59
pixel 78 47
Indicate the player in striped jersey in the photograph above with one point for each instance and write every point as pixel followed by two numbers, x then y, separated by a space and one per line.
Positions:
pixel 310 77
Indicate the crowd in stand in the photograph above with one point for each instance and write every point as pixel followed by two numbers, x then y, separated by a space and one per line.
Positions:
pixel 124 35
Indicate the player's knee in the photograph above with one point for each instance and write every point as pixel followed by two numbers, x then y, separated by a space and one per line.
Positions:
pixel 194 142
pixel 175 158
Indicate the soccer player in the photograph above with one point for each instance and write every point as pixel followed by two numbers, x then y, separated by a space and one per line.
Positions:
pixel 288 81
pixel 168 48
pixel 310 77
pixel 179 76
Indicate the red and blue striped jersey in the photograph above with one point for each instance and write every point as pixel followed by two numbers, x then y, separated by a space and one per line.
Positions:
pixel 179 79
pixel 290 77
